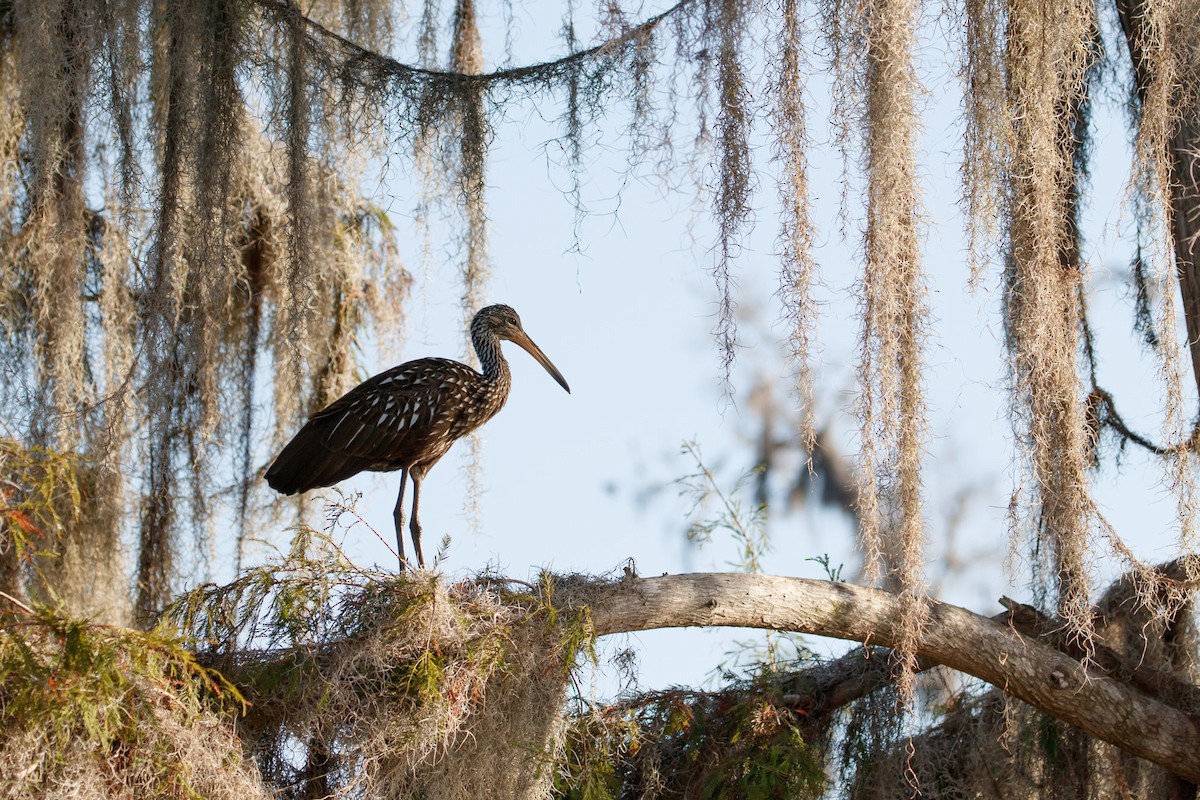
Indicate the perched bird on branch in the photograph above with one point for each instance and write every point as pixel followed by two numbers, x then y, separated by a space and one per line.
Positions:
pixel 407 418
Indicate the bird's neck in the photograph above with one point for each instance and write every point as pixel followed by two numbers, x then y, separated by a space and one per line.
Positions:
pixel 491 360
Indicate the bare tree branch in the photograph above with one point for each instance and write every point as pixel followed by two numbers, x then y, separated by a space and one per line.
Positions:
pixel 1041 676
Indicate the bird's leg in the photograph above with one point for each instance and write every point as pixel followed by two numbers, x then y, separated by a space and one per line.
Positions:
pixel 398 516
pixel 414 526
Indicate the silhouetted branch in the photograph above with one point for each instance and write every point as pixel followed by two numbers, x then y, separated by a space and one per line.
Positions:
pixel 287 10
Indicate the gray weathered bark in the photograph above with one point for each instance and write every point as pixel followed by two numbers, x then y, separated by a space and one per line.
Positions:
pixel 1040 675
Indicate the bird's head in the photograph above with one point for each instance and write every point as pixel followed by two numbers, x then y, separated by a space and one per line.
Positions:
pixel 502 321
pixel 498 320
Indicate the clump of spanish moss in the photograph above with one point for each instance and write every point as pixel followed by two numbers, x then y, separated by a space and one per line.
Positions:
pixel 798 268
pixel 873 49
pixel 391 686
pixel 988 132
pixel 991 747
pixel 90 712
pixel 1047 57
pixel 1166 88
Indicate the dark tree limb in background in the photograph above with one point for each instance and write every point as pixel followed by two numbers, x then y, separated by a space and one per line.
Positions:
pixel 1077 693
pixel 1184 184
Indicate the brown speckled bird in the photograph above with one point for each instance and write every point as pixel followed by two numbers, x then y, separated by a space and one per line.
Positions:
pixel 406 418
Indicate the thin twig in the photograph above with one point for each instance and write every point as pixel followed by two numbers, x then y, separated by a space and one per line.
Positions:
pixel 18 603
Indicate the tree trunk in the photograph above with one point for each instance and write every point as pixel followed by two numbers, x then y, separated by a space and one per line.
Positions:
pixel 1183 187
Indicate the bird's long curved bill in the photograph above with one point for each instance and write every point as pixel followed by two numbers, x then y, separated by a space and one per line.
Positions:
pixel 526 344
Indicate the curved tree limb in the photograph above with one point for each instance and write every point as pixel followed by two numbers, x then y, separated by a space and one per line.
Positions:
pixel 953 636
pixel 287 9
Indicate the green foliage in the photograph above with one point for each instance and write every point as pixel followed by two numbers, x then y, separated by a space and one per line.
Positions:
pixel 588 769
pixel 58 534
pixel 40 493
pixel 747 527
pixel 738 743
pixel 422 678
pixel 833 573
pixel 121 701
pixel 575 635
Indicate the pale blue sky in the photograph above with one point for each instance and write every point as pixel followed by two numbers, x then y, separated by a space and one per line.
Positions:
pixel 628 324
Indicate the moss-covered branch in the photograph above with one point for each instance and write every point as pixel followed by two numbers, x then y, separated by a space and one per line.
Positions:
pixel 332 676
pixel 359 57
pixel 1095 694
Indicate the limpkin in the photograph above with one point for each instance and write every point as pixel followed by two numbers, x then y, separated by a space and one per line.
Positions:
pixel 406 419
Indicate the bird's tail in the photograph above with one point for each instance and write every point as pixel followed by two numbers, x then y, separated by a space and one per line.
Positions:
pixel 306 464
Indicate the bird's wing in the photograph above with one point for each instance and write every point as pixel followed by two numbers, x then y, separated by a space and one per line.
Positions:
pixel 392 414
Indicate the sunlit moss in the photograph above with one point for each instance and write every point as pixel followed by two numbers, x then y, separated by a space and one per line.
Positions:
pixel 403 686
pixel 91 711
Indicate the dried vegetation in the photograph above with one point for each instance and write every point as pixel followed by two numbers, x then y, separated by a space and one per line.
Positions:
pixel 988 745
pixel 360 683
pixel 92 711
pixel 306 678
